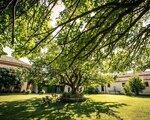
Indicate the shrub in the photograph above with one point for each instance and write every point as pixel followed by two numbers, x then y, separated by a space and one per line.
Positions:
pixel 9 79
pixel 28 91
pixel 91 90
pixel 134 86
pixel 42 92
pixel 127 89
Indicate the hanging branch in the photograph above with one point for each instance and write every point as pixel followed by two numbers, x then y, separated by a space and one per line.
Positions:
pixel 13 20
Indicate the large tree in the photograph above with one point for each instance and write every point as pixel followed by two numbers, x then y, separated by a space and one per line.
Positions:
pixel 58 72
pixel 90 27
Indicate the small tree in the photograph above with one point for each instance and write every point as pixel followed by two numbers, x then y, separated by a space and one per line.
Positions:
pixel 134 86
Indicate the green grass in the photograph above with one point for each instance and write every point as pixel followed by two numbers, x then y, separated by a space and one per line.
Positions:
pixel 104 107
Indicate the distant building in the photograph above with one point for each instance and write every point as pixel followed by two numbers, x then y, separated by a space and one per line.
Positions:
pixel 11 62
pixel 117 87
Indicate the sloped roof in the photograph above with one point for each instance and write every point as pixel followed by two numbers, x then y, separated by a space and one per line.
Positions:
pixel 11 62
pixel 144 75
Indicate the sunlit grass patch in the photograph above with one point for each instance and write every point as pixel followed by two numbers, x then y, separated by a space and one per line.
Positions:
pixel 105 107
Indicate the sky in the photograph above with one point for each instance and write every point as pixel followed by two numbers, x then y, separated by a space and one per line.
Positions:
pixel 55 12
pixel 9 52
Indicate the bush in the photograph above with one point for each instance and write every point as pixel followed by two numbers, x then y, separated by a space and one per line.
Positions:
pixel 127 89
pixel 134 86
pixel 42 92
pixel 28 91
pixel 9 79
pixel 91 90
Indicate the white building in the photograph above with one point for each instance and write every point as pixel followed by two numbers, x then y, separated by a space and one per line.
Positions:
pixel 117 87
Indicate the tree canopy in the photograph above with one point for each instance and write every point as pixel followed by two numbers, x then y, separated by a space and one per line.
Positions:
pixel 117 30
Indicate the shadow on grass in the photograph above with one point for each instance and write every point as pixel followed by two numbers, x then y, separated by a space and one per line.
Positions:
pixel 34 109
pixel 142 96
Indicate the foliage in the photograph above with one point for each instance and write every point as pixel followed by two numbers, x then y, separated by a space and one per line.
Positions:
pixel 28 92
pixel 91 37
pixel 83 73
pixel 91 90
pixel 42 92
pixel 18 26
pixel 111 27
pixel 127 89
pixel 9 81
pixel 88 29
pixel 134 86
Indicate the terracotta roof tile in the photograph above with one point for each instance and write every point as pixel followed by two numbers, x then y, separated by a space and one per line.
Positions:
pixel 8 62
pixel 144 75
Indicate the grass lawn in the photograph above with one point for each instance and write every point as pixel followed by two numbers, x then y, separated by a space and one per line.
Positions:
pixel 104 107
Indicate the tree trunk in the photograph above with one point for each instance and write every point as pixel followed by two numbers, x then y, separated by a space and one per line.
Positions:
pixel 74 89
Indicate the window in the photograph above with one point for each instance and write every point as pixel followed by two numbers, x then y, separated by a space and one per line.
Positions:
pixel 146 84
pixel 123 84
pixel 108 85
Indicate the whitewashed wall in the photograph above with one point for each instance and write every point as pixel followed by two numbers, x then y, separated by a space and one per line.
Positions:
pixel 118 88
pixel 147 89
pixel 24 86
